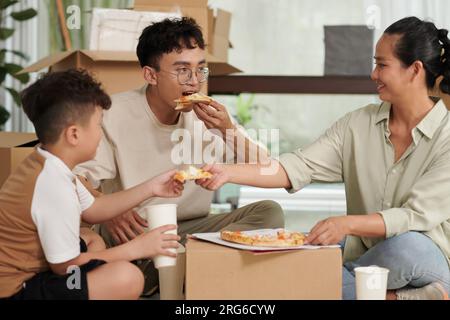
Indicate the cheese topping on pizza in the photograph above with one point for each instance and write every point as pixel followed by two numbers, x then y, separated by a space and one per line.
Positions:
pixel 282 238
pixel 192 173
pixel 187 101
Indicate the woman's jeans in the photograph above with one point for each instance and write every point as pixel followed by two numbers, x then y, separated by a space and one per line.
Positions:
pixel 412 258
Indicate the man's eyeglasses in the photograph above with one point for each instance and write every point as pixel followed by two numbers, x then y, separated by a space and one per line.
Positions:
pixel 184 75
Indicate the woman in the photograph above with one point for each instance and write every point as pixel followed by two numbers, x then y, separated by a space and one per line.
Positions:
pixel 394 159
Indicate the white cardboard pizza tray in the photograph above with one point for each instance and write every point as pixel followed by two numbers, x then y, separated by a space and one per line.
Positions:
pixel 215 238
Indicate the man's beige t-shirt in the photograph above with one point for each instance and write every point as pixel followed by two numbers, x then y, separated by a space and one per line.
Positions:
pixel 412 194
pixel 136 146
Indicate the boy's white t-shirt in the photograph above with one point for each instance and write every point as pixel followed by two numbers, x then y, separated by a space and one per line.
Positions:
pixel 58 201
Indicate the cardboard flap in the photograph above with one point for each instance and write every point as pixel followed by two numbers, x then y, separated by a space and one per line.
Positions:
pixel 51 60
pixel 223 68
pixel 110 55
pixel 219 67
pixel 168 4
pixel 16 139
pixel 47 61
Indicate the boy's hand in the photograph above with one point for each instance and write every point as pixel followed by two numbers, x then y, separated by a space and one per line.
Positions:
pixel 156 242
pixel 165 186
pixel 219 178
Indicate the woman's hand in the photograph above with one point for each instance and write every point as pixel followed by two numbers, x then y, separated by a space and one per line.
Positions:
pixel 329 231
pixel 219 178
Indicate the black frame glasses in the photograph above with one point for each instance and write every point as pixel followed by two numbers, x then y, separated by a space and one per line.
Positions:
pixel 184 75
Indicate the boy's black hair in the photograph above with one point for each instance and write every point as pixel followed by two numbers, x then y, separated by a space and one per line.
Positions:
pixel 167 36
pixel 60 99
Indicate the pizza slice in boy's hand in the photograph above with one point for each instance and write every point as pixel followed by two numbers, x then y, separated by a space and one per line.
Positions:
pixel 188 101
pixel 192 173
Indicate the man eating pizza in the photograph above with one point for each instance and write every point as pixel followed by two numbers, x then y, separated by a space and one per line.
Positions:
pixel 137 142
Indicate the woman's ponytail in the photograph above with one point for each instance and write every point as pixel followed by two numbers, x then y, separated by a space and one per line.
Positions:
pixel 445 59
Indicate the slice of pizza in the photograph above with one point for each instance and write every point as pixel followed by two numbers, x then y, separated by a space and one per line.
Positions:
pixel 192 173
pixel 187 101
pixel 281 238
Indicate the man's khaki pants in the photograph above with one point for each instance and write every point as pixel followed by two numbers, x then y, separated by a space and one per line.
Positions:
pixel 258 215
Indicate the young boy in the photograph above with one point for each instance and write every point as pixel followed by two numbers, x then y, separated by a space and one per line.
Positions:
pixel 41 253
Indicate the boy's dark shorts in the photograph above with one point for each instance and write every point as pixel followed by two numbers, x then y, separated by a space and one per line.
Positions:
pixel 50 286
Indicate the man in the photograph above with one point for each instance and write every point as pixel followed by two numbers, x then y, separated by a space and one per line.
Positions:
pixel 138 139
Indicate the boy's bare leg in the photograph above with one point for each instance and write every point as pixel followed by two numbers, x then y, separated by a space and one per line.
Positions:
pixel 94 242
pixel 119 280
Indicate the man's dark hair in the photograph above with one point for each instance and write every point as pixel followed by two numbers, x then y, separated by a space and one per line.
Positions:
pixel 167 36
pixel 60 99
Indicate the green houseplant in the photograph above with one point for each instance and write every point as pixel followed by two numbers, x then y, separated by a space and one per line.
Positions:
pixel 8 68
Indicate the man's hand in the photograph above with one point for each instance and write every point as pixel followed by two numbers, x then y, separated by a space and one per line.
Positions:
pixel 126 227
pixel 329 231
pixel 214 115
pixel 165 186
pixel 219 178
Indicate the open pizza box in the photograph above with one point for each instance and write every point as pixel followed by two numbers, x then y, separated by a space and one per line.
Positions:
pixel 215 271
pixel 214 237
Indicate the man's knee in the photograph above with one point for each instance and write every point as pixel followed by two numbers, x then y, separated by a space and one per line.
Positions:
pixel 271 213
pixel 407 255
pixel 408 246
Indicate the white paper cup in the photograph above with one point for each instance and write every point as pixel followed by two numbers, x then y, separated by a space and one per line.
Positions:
pixel 371 283
pixel 159 215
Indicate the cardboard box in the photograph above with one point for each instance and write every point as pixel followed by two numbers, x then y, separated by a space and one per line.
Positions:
pixel 118 71
pixel 216 29
pixel 215 272
pixel 221 33
pixel 110 27
pixel 14 147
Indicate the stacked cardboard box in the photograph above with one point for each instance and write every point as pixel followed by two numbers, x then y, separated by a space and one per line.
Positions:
pixel 14 147
pixel 120 71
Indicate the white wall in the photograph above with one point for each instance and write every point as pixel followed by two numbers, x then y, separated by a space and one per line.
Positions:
pixel 285 37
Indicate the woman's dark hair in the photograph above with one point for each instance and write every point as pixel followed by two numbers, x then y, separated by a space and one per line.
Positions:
pixel 422 41
pixel 60 99
pixel 167 36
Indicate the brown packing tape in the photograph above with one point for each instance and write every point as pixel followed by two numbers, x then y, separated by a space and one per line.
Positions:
pixel 168 3
pixel 144 4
